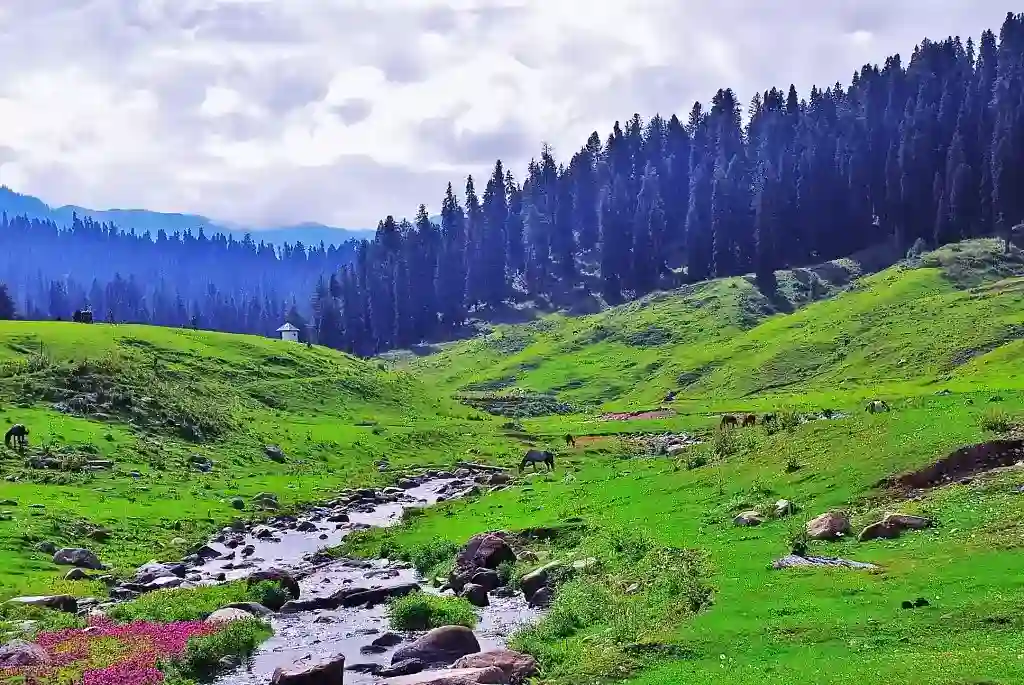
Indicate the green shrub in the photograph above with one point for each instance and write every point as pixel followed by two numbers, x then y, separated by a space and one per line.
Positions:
pixel 422 611
pixel 431 554
pixel 193 604
pixel 997 421
pixel 203 654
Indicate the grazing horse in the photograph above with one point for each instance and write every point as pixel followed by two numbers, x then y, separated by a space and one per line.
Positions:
pixel 18 433
pixel 569 440
pixel 535 457
pixel 876 406
pixel 728 421
pixel 749 420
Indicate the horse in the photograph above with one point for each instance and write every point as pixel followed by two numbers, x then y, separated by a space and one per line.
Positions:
pixel 18 433
pixel 876 406
pixel 569 440
pixel 535 457
pixel 749 420
pixel 728 421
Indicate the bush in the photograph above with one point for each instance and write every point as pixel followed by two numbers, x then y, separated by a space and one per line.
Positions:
pixel 193 604
pixel 431 554
pixel 997 421
pixel 421 611
pixel 203 654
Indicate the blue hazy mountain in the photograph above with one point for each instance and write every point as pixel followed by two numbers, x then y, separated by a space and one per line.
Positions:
pixel 16 204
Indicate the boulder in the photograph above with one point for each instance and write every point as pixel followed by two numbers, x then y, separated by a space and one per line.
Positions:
pixel 306 527
pixel 274 453
pixel 542 598
pixel 237 503
pixel 533 581
pixel 76 556
pixel 226 615
pixel 440 646
pixel 407 667
pixel 327 671
pixel 353 597
pixel 18 654
pixel 65 603
pixel 748 518
pixel 516 665
pixel 452 676
pixel 794 561
pixel 485 550
pixel 831 525
pixel 784 508
pixel 488 578
pixel 251 608
pixel 77 574
pixel 892 525
pixel 475 595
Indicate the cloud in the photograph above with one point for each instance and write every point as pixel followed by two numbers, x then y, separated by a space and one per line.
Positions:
pixel 343 111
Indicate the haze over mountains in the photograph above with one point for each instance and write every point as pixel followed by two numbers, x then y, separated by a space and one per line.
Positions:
pixel 142 220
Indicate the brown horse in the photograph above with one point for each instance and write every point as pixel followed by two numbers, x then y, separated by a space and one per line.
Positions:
pixel 728 421
pixel 749 420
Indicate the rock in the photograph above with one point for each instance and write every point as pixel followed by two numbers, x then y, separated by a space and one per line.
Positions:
pixel 829 526
pixel 536 579
pixel 485 550
pixel 76 556
pixel 440 646
pixel 18 653
pixel 149 572
pixel 794 561
pixel 454 676
pixel 542 598
pixel 353 597
pixel 274 453
pixel 327 671
pixel 65 603
pixel 892 525
pixel 784 508
pixel 76 574
pixel 476 595
pixel 338 518
pixel 488 578
pixel 47 547
pixel 407 667
pixel 516 666
pixel 237 503
pixel 205 553
pixel 748 518
pixel 388 639
pixel 251 608
pixel 226 615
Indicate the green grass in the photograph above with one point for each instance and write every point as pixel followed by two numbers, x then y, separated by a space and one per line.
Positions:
pixel 421 611
pixel 949 321
pixel 333 416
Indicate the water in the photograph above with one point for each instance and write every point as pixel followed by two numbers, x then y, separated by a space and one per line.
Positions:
pixel 325 633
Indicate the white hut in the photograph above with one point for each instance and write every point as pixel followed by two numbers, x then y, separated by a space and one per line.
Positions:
pixel 289 332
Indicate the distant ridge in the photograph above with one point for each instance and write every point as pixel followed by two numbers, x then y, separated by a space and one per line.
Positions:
pixel 142 220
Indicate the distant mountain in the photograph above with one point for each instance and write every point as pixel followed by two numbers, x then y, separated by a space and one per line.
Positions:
pixel 16 204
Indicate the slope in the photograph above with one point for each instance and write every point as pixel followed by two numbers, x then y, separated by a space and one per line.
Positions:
pixel 150 433
pixel 940 319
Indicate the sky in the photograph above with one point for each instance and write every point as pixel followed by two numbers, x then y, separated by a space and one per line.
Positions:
pixel 272 112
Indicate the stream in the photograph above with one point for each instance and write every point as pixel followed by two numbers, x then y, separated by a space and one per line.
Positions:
pixel 292 544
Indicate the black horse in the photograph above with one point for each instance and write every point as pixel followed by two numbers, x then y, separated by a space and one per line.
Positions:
pixel 570 441
pixel 535 457
pixel 17 433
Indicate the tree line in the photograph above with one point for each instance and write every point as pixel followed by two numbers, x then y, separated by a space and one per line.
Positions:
pixel 930 149
pixel 178 279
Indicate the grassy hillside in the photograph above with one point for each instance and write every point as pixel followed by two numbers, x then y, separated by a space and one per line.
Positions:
pixel 939 337
pixel 952 318
pixel 158 401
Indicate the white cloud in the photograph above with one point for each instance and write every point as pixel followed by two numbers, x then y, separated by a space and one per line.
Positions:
pixel 341 111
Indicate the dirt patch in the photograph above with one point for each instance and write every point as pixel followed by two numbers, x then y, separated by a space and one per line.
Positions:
pixel 964 462
pixel 642 414
pixel 585 440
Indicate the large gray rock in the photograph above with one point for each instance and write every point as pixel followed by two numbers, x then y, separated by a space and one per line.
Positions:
pixel 892 525
pixel 227 615
pixel 327 671
pixel 453 676
pixel 441 646
pixel 831 525
pixel 77 556
pixel 794 561
pixel 18 653
pixel 476 595
pixel 748 518
pixel 516 665
pixel 65 603
pixel 536 579
pixel 486 550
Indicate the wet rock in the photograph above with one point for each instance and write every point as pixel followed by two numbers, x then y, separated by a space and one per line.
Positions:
pixel 353 597
pixel 406 667
pixel 369 668
pixel 338 518
pixel 440 646
pixel 306 527
pixel 533 581
pixel 161 583
pixel 388 639
pixel 226 615
pixel 476 595
pixel 831 525
pixel 328 671
pixel 152 570
pixel 486 550
pixel 516 665
pixel 77 556
pixel 892 525
pixel 460 676
pixel 274 453
pixel 488 578
pixel 65 603
pixel 18 653
pixel 205 553
pixel 542 598
pixel 248 550
pixel 748 518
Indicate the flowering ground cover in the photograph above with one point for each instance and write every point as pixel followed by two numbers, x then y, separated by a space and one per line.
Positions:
pixel 136 653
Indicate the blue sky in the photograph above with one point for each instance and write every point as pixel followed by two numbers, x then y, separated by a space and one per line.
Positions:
pixel 342 111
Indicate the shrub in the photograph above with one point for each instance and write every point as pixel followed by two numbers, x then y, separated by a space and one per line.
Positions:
pixel 997 421
pixel 422 611
pixel 193 604
pixel 203 654
pixel 431 554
